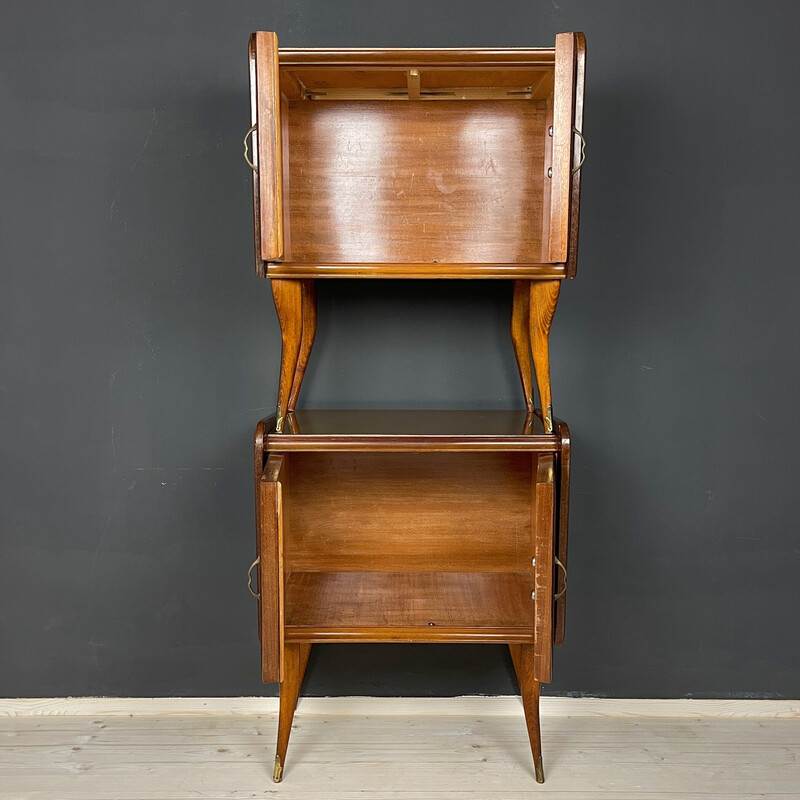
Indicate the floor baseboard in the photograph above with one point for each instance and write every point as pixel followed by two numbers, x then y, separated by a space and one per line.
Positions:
pixel 451 706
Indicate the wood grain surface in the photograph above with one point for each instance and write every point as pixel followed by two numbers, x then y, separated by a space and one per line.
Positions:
pixel 563 138
pixel 419 511
pixel 268 144
pixel 270 567
pixel 543 530
pixel 447 600
pixel 415 181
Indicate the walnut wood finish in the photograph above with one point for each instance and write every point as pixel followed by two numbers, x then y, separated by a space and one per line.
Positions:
pixel 421 511
pixel 415 182
pixel 575 195
pixel 532 309
pixel 351 185
pixel 411 545
pixel 523 657
pixel 268 145
pixel 259 458
pixel 521 337
pixel 400 526
pixel 543 530
pixel 308 332
pixel 562 528
pixel 426 606
pixel 288 297
pixel 450 57
pixel 411 431
pixel 253 70
pixel 270 568
pixel 295 660
pixel 505 427
pixel 544 298
pixel 563 139
pixel 401 271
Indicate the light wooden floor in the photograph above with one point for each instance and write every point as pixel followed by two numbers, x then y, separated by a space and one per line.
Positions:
pixel 380 749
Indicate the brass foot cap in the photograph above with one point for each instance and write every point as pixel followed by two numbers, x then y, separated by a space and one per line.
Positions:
pixel 548 420
pixel 539 770
pixel 277 772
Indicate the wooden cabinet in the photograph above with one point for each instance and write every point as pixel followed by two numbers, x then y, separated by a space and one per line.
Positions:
pixel 414 526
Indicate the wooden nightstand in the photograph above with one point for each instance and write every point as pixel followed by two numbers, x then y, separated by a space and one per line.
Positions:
pixel 414 526
pixel 417 164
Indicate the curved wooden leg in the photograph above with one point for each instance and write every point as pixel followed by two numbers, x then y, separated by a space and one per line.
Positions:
pixel 544 297
pixel 309 330
pixel 295 661
pixel 522 656
pixel 521 337
pixel 287 295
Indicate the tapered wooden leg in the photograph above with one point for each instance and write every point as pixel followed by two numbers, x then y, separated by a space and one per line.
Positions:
pixel 309 330
pixel 289 305
pixel 544 297
pixel 522 656
pixel 295 661
pixel 521 337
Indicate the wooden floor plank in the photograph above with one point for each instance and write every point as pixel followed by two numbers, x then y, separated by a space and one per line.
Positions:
pixel 396 757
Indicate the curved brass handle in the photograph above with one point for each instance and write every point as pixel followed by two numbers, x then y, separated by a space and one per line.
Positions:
pixel 247 152
pixel 583 150
pixel 561 593
pixel 250 579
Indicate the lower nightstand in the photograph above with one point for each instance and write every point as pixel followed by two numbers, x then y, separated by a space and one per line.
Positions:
pixel 411 526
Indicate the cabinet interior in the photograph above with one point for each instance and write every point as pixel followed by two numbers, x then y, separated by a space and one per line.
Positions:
pixel 432 542
pixel 406 165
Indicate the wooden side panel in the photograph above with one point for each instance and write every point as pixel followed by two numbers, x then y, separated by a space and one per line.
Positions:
pixel 270 572
pixel 575 198
pixel 563 529
pixel 268 145
pixel 285 180
pixel 563 109
pixel 543 537
pixel 546 183
pixel 253 149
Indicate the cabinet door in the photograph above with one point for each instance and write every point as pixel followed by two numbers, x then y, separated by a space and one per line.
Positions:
pixel 567 113
pixel 270 570
pixel 562 523
pixel 265 109
pixel 543 536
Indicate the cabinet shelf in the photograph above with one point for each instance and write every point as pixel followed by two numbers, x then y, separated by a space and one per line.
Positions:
pixel 409 606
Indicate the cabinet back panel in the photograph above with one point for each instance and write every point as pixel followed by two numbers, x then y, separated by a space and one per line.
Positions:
pixel 410 511
pixel 415 181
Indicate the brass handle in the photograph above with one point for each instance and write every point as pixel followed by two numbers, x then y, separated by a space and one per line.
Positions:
pixel 247 152
pixel 250 579
pixel 561 593
pixel 583 150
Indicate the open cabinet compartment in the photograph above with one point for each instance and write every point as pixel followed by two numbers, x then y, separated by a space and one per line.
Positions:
pixel 433 545
pixel 405 546
pixel 414 157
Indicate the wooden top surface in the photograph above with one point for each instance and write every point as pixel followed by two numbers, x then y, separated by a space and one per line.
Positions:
pixel 410 431
pixel 450 56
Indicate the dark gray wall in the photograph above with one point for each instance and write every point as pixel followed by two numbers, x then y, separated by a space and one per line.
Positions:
pixel 139 350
